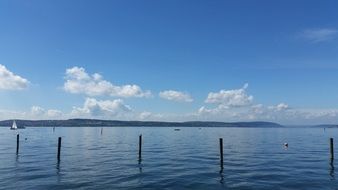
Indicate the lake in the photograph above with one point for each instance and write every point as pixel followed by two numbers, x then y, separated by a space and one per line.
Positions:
pixel 254 158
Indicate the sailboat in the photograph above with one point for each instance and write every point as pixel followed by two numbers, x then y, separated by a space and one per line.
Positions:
pixel 14 127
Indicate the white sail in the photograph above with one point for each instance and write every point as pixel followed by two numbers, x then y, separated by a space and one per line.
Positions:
pixel 14 125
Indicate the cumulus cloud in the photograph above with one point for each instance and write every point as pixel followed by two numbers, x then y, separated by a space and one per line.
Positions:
pixel 10 81
pixel 176 96
pixel 230 98
pixel 319 35
pixel 102 109
pixel 230 105
pixel 38 112
pixel 237 105
pixel 78 81
pixel 111 110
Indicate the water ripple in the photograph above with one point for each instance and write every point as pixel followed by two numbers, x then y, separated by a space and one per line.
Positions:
pixel 188 159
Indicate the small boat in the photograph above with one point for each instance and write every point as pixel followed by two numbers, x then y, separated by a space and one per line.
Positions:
pixel 14 127
pixel 177 129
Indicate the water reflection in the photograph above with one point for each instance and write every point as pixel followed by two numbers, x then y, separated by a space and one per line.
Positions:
pixel 331 173
pixel 58 169
pixel 140 165
pixel 17 158
pixel 17 161
pixel 221 174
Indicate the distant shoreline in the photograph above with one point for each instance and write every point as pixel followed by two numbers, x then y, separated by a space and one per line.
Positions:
pixel 119 123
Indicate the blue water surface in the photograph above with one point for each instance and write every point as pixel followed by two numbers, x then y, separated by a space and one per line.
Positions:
pixel 254 158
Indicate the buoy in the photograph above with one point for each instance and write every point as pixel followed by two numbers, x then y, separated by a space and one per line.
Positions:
pixel 286 144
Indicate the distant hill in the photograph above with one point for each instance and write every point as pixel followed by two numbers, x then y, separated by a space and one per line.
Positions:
pixel 117 123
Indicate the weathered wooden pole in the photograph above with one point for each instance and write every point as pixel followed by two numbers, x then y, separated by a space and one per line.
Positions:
pixel 59 148
pixel 140 147
pixel 331 149
pixel 17 143
pixel 221 151
pixel 101 130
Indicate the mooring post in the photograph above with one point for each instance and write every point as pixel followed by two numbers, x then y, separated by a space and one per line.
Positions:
pixel 59 148
pixel 17 143
pixel 101 130
pixel 331 149
pixel 140 147
pixel 221 151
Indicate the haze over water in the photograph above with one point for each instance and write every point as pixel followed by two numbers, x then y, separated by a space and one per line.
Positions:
pixel 254 158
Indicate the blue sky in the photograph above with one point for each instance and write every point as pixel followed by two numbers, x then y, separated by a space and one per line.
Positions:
pixel 188 60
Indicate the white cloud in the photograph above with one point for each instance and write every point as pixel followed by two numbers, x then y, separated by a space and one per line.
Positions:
pixel 10 81
pixel 319 35
pixel 230 98
pixel 111 110
pixel 35 112
pixel 54 113
pixel 38 112
pixel 176 96
pixel 78 81
pixel 108 109
pixel 10 114
pixel 279 107
pixel 116 109
pixel 145 115
pixel 221 113
pixel 280 113
pixel 219 110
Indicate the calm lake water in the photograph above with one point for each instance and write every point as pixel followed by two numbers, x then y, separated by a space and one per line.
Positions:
pixel 254 158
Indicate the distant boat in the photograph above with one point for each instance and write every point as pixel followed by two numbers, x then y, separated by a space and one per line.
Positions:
pixel 177 129
pixel 14 127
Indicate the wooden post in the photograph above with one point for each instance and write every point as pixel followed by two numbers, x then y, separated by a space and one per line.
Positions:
pixel 221 151
pixel 17 143
pixel 59 148
pixel 101 130
pixel 331 149
pixel 140 147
